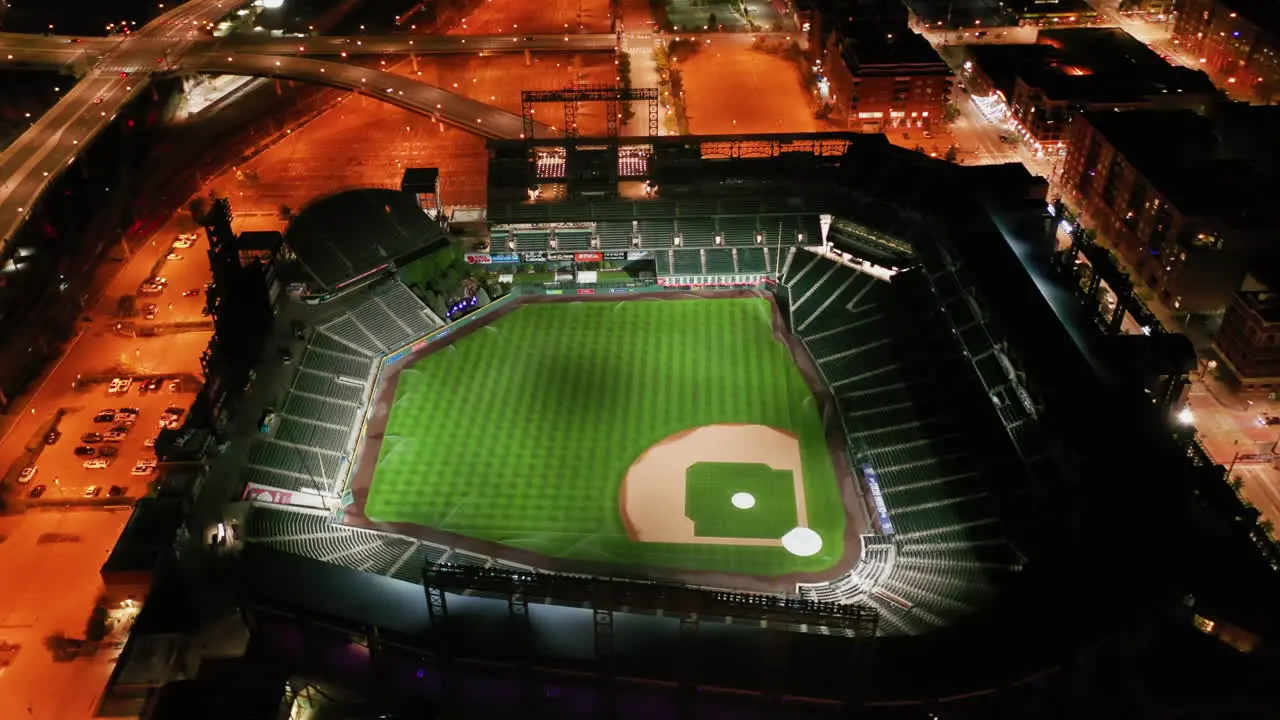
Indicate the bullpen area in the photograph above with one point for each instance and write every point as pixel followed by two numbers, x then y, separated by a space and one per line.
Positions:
pixel 672 432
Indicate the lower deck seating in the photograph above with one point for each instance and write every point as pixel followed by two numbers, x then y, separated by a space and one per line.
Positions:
pixel 915 414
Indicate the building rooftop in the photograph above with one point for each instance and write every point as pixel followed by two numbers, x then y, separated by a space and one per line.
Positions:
pixel 1211 173
pixel 1104 66
pixel 874 43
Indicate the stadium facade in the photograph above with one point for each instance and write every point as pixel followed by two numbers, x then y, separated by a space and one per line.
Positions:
pixel 1014 470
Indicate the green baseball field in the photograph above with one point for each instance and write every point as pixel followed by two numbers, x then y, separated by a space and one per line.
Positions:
pixel 670 433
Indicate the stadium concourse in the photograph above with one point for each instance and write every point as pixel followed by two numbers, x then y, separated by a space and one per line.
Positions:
pixel 925 452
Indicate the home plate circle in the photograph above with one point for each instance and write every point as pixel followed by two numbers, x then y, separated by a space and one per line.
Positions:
pixel 743 501
pixel 802 541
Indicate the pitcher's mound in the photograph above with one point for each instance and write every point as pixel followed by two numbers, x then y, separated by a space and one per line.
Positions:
pixel 653 494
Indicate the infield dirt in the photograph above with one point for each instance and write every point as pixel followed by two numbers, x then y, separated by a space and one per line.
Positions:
pixel 653 492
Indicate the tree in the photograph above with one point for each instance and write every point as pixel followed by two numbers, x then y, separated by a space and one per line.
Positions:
pixel 711 21
pixel 1237 483
pixel 1266 526
pixel 96 628
pixel 953 154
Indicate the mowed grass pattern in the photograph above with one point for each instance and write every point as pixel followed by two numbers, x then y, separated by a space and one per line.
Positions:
pixel 522 432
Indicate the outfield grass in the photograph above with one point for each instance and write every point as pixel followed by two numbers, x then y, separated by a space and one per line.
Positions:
pixel 522 432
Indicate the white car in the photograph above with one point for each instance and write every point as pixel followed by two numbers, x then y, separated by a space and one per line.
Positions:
pixel 143 467
pixel 26 474
pixel 114 437
pixel 173 256
pixel 150 442
pixel 151 289
pixel 119 386
pixel 97 464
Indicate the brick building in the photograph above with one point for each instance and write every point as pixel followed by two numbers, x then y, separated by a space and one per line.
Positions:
pixel 1044 84
pixel 1187 200
pixel 880 75
pixel 1248 343
pixel 1236 41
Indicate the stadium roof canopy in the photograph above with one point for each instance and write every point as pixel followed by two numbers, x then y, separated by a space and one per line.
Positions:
pixel 347 235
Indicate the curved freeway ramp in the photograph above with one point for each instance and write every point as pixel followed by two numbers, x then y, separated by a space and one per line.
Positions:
pixel 38 157
pixel 463 112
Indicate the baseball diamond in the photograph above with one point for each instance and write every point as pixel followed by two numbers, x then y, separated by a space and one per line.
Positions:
pixel 672 432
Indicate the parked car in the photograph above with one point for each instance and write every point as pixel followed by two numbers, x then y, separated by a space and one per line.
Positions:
pixel 143 467
pixel 26 474
pixel 85 451
pixel 91 437
pixel 149 442
pixel 116 491
pixel 154 384
pixel 128 412
pixel 108 451
pixel 150 289
pixel 37 491
pixel 119 386
pixel 175 386
pixel 52 437
pixel 114 437
pixel 191 293
pixel 92 491
pixel 105 416
pixel 173 256
pixel 97 464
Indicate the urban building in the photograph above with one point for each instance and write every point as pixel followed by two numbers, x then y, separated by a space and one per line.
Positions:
pixel 1187 200
pixel 1236 42
pixel 1054 13
pixel 1248 343
pixel 1151 10
pixel 1040 86
pixel 877 75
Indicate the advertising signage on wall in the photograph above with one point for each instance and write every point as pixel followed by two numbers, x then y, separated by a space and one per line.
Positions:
pixel 877 498
pixel 588 257
pixel 710 280
pixel 486 259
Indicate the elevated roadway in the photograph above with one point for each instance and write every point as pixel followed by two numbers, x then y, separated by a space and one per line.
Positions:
pixel 405 92
pixel 52 50
pixel 37 158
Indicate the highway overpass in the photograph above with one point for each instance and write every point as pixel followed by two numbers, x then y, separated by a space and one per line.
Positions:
pixel 36 159
pixel 471 115
pixel 56 51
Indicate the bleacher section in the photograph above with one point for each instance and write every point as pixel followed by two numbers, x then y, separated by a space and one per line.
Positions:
pixel 314 534
pixel 697 223
pixel 911 409
pixel 317 424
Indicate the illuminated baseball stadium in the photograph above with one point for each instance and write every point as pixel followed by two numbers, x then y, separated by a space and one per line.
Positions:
pixel 709 399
